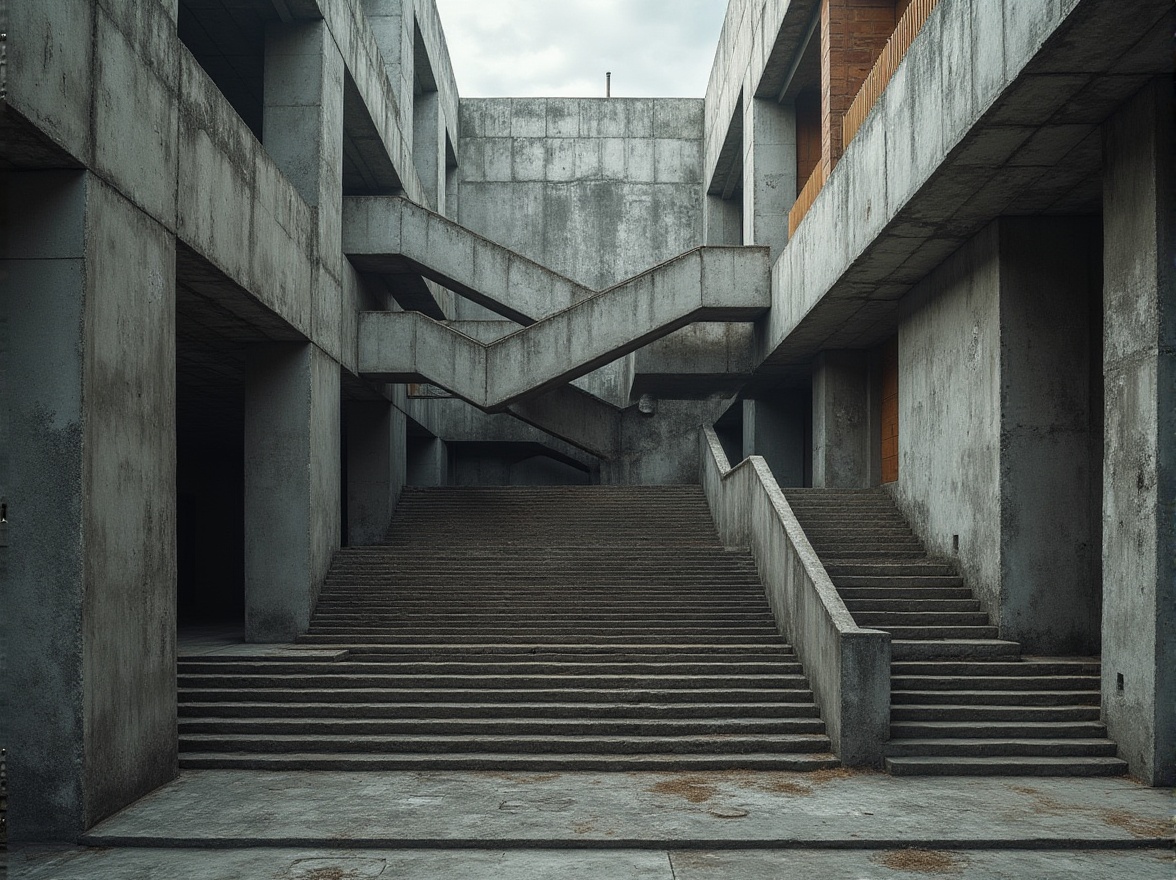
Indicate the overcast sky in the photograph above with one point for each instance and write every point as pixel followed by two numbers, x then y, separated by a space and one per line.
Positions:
pixel 550 48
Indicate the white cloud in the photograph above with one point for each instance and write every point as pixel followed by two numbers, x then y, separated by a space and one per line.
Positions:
pixel 551 48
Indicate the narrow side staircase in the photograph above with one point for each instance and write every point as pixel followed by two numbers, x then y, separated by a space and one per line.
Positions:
pixel 962 701
pixel 538 629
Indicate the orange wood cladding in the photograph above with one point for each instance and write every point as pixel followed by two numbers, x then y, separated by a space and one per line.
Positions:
pixel 890 411
pixel 808 132
pixel 912 15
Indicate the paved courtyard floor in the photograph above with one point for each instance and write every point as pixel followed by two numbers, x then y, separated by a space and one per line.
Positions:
pixel 225 825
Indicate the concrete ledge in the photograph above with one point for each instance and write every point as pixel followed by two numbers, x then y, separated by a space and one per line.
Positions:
pixel 848 667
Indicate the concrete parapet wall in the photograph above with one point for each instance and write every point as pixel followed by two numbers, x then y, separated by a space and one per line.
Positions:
pixel 847 667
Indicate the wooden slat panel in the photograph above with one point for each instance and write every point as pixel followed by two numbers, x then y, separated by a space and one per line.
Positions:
pixel 909 25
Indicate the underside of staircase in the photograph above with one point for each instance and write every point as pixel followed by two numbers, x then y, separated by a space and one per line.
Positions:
pixel 963 701
pixel 545 628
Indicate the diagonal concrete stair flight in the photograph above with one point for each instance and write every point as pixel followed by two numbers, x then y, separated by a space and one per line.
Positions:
pixel 705 284
pixel 390 235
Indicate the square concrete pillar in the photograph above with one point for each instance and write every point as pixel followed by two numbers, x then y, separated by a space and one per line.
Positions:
pixel 87 481
pixel 769 172
pixel 780 431
pixel 428 148
pixel 1139 464
pixel 303 133
pixel 427 462
pixel 375 468
pixel 723 221
pixel 292 485
pixel 842 435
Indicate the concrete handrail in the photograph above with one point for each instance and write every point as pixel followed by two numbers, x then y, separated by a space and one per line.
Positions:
pixel 847 666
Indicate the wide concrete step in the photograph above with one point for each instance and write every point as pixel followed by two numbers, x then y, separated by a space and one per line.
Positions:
pixel 532 639
pixel 938 632
pixel 501 727
pixel 1022 667
pixel 1006 766
pixel 518 667
pixel 937 649
pixel 994 698
pixel 540 744
pixel 563 651
pixel 911 606
pixel 904 730
pixel 524 633
pixel 545 712
pixel 478 695
pixel 1062 747
pixel 489 683
pixel 972 713
pixel 979 681
pixel 793 763
pixel 904 594
pixel 888 619
pixel 901 581
pixel 874 568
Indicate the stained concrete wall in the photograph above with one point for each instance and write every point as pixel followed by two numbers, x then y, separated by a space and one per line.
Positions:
pixel 88 303
pixel 780 430
pixel 949 412
pixel 596 189
pixel 995 425
pixel 1139 468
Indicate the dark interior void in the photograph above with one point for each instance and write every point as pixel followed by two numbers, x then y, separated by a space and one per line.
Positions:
pixel 512 464
pixel 210 512
pixel 227 39
pixel 729 430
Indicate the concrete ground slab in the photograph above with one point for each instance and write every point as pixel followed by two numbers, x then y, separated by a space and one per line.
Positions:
pixel 327 864
pixel 840 809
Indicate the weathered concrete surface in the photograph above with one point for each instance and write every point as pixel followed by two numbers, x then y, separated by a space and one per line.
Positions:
pixel 375 468
pixel 588 809
pixel 88 480
pixel 994 110
pixel 995 416
pixel 848 667
pixel 1051 585
pixel 842 435
pixel 695 361
pixel 668 864
pixel 949 401
pixel 1139 465
pixel 292 485
pixel 700 285
pixel 596 189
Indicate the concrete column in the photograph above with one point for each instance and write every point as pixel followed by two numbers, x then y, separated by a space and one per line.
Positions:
pixel 1050 583
pixel 723 221
pixel 303 129
pixel 292 485
pixel 779 431
pixel 1139 464
pixel 375 468
pixel 842 439
pixel 769 172
pixel 428 462
pixel 87 556
pixel 428 147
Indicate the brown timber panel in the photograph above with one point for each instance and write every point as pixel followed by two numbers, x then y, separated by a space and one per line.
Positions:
pixel 890 411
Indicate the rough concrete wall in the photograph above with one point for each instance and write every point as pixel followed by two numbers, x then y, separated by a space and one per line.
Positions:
pixel 841 420
pixel 1139 466
pixel 41 351
pixel 949 412
pixel 596 189
pixel 779 431
pixel 1050 271
pixel 128 504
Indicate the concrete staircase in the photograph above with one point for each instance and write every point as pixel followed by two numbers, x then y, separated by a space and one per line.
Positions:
pixel 530 629
pixel 963 701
